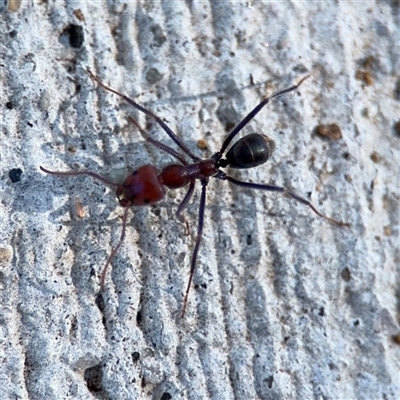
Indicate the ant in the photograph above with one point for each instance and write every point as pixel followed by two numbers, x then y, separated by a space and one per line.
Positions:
pixel 146 186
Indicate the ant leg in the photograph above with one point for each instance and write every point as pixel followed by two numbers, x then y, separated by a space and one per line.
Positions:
pixel 77 173
pixel 307 203
pixel 158 144
pixel 198 240
pixel 115 249
pixel 159 121
pixel 183 205
pixel 254 112
pixel 124 219
pixel 272 188
pixel 185 201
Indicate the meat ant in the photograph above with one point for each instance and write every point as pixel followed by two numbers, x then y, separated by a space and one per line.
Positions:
pixel 145 186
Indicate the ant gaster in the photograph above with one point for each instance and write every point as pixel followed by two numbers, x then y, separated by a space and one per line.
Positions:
pixel 145 186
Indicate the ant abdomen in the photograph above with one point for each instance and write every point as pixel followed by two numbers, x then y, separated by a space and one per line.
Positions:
pixel 250 151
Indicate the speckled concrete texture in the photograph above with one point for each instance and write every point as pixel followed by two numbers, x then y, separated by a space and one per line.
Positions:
pixel 284 305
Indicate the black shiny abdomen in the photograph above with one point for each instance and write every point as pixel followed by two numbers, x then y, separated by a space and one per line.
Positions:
pixel 250 151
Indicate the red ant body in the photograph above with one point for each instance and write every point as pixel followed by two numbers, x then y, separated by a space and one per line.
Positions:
pixel 146 186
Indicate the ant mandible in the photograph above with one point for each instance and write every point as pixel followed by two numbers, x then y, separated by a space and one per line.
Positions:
pixel 145 186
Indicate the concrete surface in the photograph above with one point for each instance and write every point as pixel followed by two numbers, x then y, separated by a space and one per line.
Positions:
pixel 284 305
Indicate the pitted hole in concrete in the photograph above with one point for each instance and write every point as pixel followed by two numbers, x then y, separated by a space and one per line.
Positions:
pixel 94 380
pixel 76 35
pixel 101 305
pixel 15 174
pixel 270 381
pixel 135 356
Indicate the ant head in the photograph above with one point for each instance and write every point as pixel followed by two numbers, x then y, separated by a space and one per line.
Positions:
pixel 141 188
pixel 250 151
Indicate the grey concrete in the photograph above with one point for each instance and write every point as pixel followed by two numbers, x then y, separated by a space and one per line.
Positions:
pixel 284 304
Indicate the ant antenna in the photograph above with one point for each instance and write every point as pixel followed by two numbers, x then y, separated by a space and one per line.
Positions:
pixel 77 173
